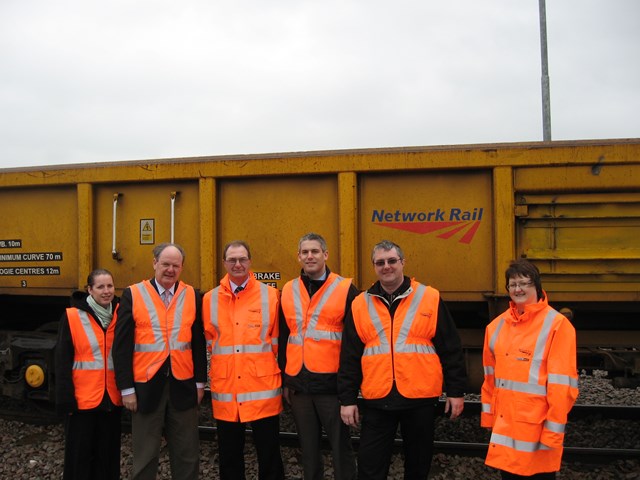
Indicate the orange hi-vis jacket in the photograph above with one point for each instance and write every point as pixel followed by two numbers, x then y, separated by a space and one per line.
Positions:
pixel 242 337
pixel 530 385
pixel 315 324
pixel 401 349
pixel 92 370
pixel 161 332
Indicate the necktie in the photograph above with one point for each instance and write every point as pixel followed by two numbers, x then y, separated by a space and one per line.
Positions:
pixel 166 298
pixel 238 289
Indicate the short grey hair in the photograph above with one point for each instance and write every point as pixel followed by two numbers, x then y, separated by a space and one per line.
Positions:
pixel 313 236
pixel 387 245
pixel 157 251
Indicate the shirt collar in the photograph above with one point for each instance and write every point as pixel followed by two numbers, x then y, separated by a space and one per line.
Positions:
pixel 234 286
pixel 161 289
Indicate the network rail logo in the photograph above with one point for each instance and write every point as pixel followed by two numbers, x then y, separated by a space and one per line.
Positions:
pixel 451 223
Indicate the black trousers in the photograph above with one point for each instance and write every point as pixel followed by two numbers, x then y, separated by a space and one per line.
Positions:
pixel 377 436
pixel 313 413
pixel 92 445
pixel 231 439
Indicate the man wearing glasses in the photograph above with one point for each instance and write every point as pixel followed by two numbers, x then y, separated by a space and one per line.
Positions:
pixel 241 327
pixel 399 344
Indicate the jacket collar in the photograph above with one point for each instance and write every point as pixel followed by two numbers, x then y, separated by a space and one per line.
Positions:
pixel 401 292
pixel 530 311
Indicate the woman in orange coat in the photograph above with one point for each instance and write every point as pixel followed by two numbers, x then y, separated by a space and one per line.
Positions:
pixel 530 380
pixel 85 382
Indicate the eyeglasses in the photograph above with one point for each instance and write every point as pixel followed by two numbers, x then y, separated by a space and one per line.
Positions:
pixel 390 261
pixel 520 285
pixel 233 261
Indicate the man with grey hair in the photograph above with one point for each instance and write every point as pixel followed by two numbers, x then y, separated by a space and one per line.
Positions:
pixel 399 344
pixel 159 356
pixel 313 307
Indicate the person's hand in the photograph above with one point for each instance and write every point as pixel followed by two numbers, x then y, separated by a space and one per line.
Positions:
pixel 130 402
pixel 456 405
pixel 200 394
pixel 286 394
pixel 350 415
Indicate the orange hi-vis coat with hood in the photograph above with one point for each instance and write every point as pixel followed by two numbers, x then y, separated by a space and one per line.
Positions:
pixel 161 332
pixel 242 337
pixel 92 370
pixel 402 349
pixel 315 324
pixel 530 385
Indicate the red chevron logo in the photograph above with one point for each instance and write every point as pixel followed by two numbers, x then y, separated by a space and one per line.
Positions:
pixel 464 230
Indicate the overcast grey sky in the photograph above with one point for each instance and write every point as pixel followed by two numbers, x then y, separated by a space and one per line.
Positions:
pixel 91 81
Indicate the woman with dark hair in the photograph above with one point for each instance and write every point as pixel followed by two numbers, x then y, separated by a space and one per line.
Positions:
pixel 85 382
pixel 530 379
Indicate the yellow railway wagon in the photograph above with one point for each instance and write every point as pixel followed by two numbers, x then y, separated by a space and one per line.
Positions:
pixel 461 213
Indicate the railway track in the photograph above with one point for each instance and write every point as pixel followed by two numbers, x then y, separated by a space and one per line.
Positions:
pixel 40 415
pixel 595 456
pixel 587 455
pixel 618 412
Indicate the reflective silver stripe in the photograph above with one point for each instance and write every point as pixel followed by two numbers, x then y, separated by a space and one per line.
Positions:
pixel 376 350
pixel 297 307
pixel 416 348
pixel 264 300
pixel 554 426
pixel 178 317
pixel 216 349
pixel 532 385
pixel 182 346
pixel 222 397
pixel 159 344
pixel 384 346
pixel 558 379
pixel 324 335
pixel 98 359
pixel 263 347
pixel 494 337
pixel 488 370
pixel 262 395
pixel 520 386
pixel 147 347
pixel 214 309
pixel 312 331
pixel 538 351
pixel 519 445
pixel 486 408
pixel 401 345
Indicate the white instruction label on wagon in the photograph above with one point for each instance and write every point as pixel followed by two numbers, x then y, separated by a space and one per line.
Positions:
pixel 147 231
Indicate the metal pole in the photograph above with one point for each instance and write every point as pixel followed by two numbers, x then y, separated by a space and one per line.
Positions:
pixel 546 97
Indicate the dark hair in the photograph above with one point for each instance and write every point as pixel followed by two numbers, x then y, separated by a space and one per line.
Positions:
pixel 91 279
pixel 157 251
pixel 524 268
pixel 387 245
pixel 313 236
pixel 235 243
